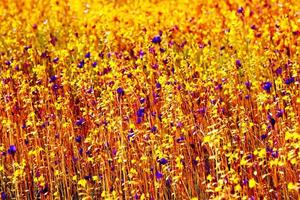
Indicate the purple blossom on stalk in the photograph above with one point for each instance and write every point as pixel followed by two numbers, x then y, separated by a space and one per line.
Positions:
pixel 153 129
pixel 3 196
pixel 162 50
pixel 139 120
pixel 80 122
pixel 289 81
pixel 253 27
pixel 12 149
pixel 264 136
pixel 248 85
pixel 279 113
pixel 278 71
pixel 240 10
pixel 141 53
pixel 120 91
pixel 245 181
pixel 55 60
pixel 275 154
pixel 238 63
pixel 88 55
pixel 142 100
pixel 158 175
pixel 180 139
pixel 267 86
pixel 55 87
pixel 94 64
pixel 141 112
pixel 80 151
pixel 158 85
pixel 81 64
pixel 53 78
pixel 78 138
pixel 156 39
pixel 163 161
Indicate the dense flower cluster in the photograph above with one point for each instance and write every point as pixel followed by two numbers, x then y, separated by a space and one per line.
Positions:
pixel 150 99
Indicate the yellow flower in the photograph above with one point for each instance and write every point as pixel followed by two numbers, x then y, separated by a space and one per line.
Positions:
pixel 252 183
pixel 82 183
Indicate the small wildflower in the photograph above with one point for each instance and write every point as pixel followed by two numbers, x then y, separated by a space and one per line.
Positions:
pixel 88 55
pixel 158 175
pixel 120 91
pixel 267 86
pixel 156 39
pixel 81 64
pixel 238 63
pixel 80 122
pixel 55 60
pixel 289 81
pixel 12 149
pixel 94 64
pixel 78 138
pixel 162 161
pixel 240 10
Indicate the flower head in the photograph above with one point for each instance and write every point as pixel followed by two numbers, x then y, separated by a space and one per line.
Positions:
pixel 12 149
pixel 156 39
pixel 267 86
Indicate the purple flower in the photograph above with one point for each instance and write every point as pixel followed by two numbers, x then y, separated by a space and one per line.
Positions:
pixel 78 138
pixel 275 154
pixel 272 121
pixel 80 151
pixel 141 112
pixel 12 149
pixel 279 113
pixel 158 175
pixel 141 53
pixel 139 120
pixel 245 181
pixel 81 64
pixel 88 55
pixel 120 91
pixel 163 161
pixel 247 97
pixel 158 85
pixel 80 122
pixel 264 136
pixel 289 80
pixel 248 85
pixel 240 10
pixel 156 39
pixel 267 86
pixel 238 63
pixel 253 27
pixel 278 71
pixel 55 87
pixel 142 100
pixel 180 139
pixel 7 62
pixel 153 129
pixel 3 196
pixel 94 64
pixel 53 78
pixel 55 60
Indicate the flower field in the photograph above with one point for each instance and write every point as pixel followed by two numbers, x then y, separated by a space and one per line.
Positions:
pixel 153 99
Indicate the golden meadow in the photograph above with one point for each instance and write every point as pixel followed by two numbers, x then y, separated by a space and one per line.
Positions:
pixel 149 99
